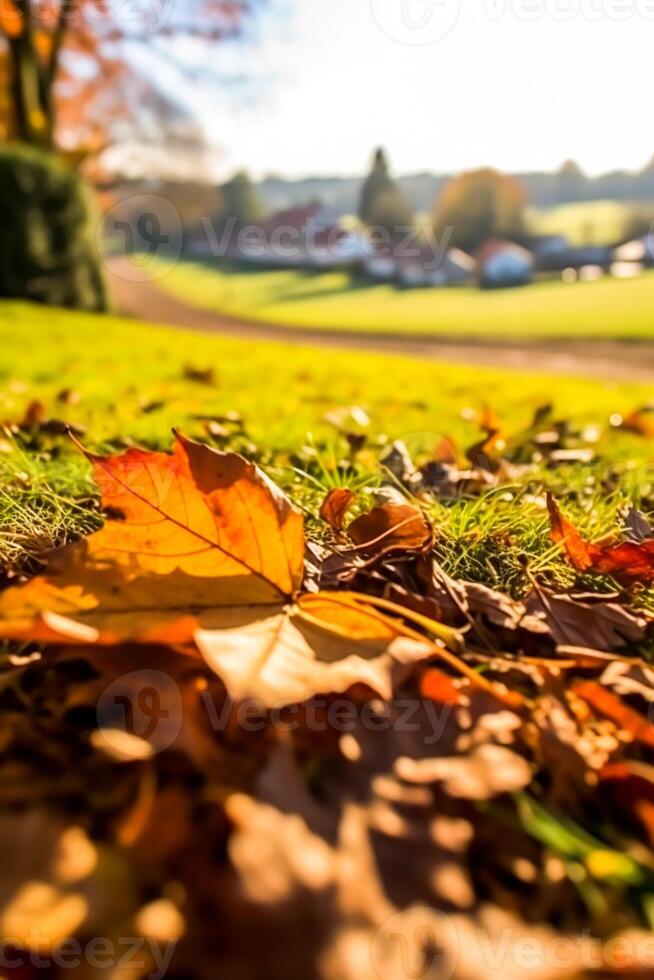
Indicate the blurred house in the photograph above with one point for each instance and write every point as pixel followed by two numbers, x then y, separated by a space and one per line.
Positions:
pixel 412 265
pixel 381 261
pixel 547 248
pixel 296 238
pixel 426 269
pixel 335 246
pixel 380 264
pixel 574 257
pixel 504 264
pixel 638 253
pixel 302 238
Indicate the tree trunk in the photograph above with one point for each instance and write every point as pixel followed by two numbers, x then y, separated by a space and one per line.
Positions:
pixel 33 111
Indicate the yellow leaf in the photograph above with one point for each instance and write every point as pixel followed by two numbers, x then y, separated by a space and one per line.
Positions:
pixel 201 547
pixel 190 531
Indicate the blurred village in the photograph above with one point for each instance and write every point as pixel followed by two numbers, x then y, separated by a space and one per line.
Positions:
pixel 480 228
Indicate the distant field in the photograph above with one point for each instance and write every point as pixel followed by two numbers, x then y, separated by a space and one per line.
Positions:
pixel 132 379
pixel 584 222
pixel 608 308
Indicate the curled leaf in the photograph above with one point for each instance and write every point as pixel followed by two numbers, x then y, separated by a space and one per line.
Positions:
pixel 565 534
pixel 335 506
pixel 391 527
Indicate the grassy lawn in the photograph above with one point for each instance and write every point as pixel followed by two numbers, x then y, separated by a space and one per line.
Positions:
pixel 315 420
pixel 608 308
pixel 583 222
pixel 294 410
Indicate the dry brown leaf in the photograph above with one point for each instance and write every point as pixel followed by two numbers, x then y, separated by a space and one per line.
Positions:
pixel 487 771
pixel 325 642
pixel 202 376
pixel 55 881
pixel 456 600
pixel 275 853
pixel 335 506
pixel 632 784
pixel 637 525
pixel 628 561
pixel 629 679
pixel 585 621
pixel 389 528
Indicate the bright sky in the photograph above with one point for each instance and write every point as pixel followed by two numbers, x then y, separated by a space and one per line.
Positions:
pixel 446 85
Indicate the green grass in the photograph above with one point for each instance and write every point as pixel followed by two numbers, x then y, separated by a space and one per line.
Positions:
pixel 583 222
pixel 552 309
pixel 291 409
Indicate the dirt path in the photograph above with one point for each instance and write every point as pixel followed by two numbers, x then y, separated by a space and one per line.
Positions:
pixel 619 360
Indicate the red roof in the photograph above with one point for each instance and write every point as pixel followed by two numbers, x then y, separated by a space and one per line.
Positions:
pixel 293 218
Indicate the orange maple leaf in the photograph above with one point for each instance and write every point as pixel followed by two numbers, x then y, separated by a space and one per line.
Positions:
pixel 201 548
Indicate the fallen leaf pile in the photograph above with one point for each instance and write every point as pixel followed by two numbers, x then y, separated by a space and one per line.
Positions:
pixel 258 755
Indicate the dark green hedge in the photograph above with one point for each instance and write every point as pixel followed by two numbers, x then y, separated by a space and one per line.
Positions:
pixel 48 250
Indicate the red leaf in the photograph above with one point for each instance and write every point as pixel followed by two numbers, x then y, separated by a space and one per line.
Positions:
pixel 564 533
pixel 605 703
pixel 437 686
pixel 631 561
pixel 633 789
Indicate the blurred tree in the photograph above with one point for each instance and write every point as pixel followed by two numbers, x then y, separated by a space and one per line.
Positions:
pixel 383 204
pixel 192 200
pixel 570 181
pixel 49 254
pixel 71 70
pixel 638 222
pixel 240 201
pixel 480 205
